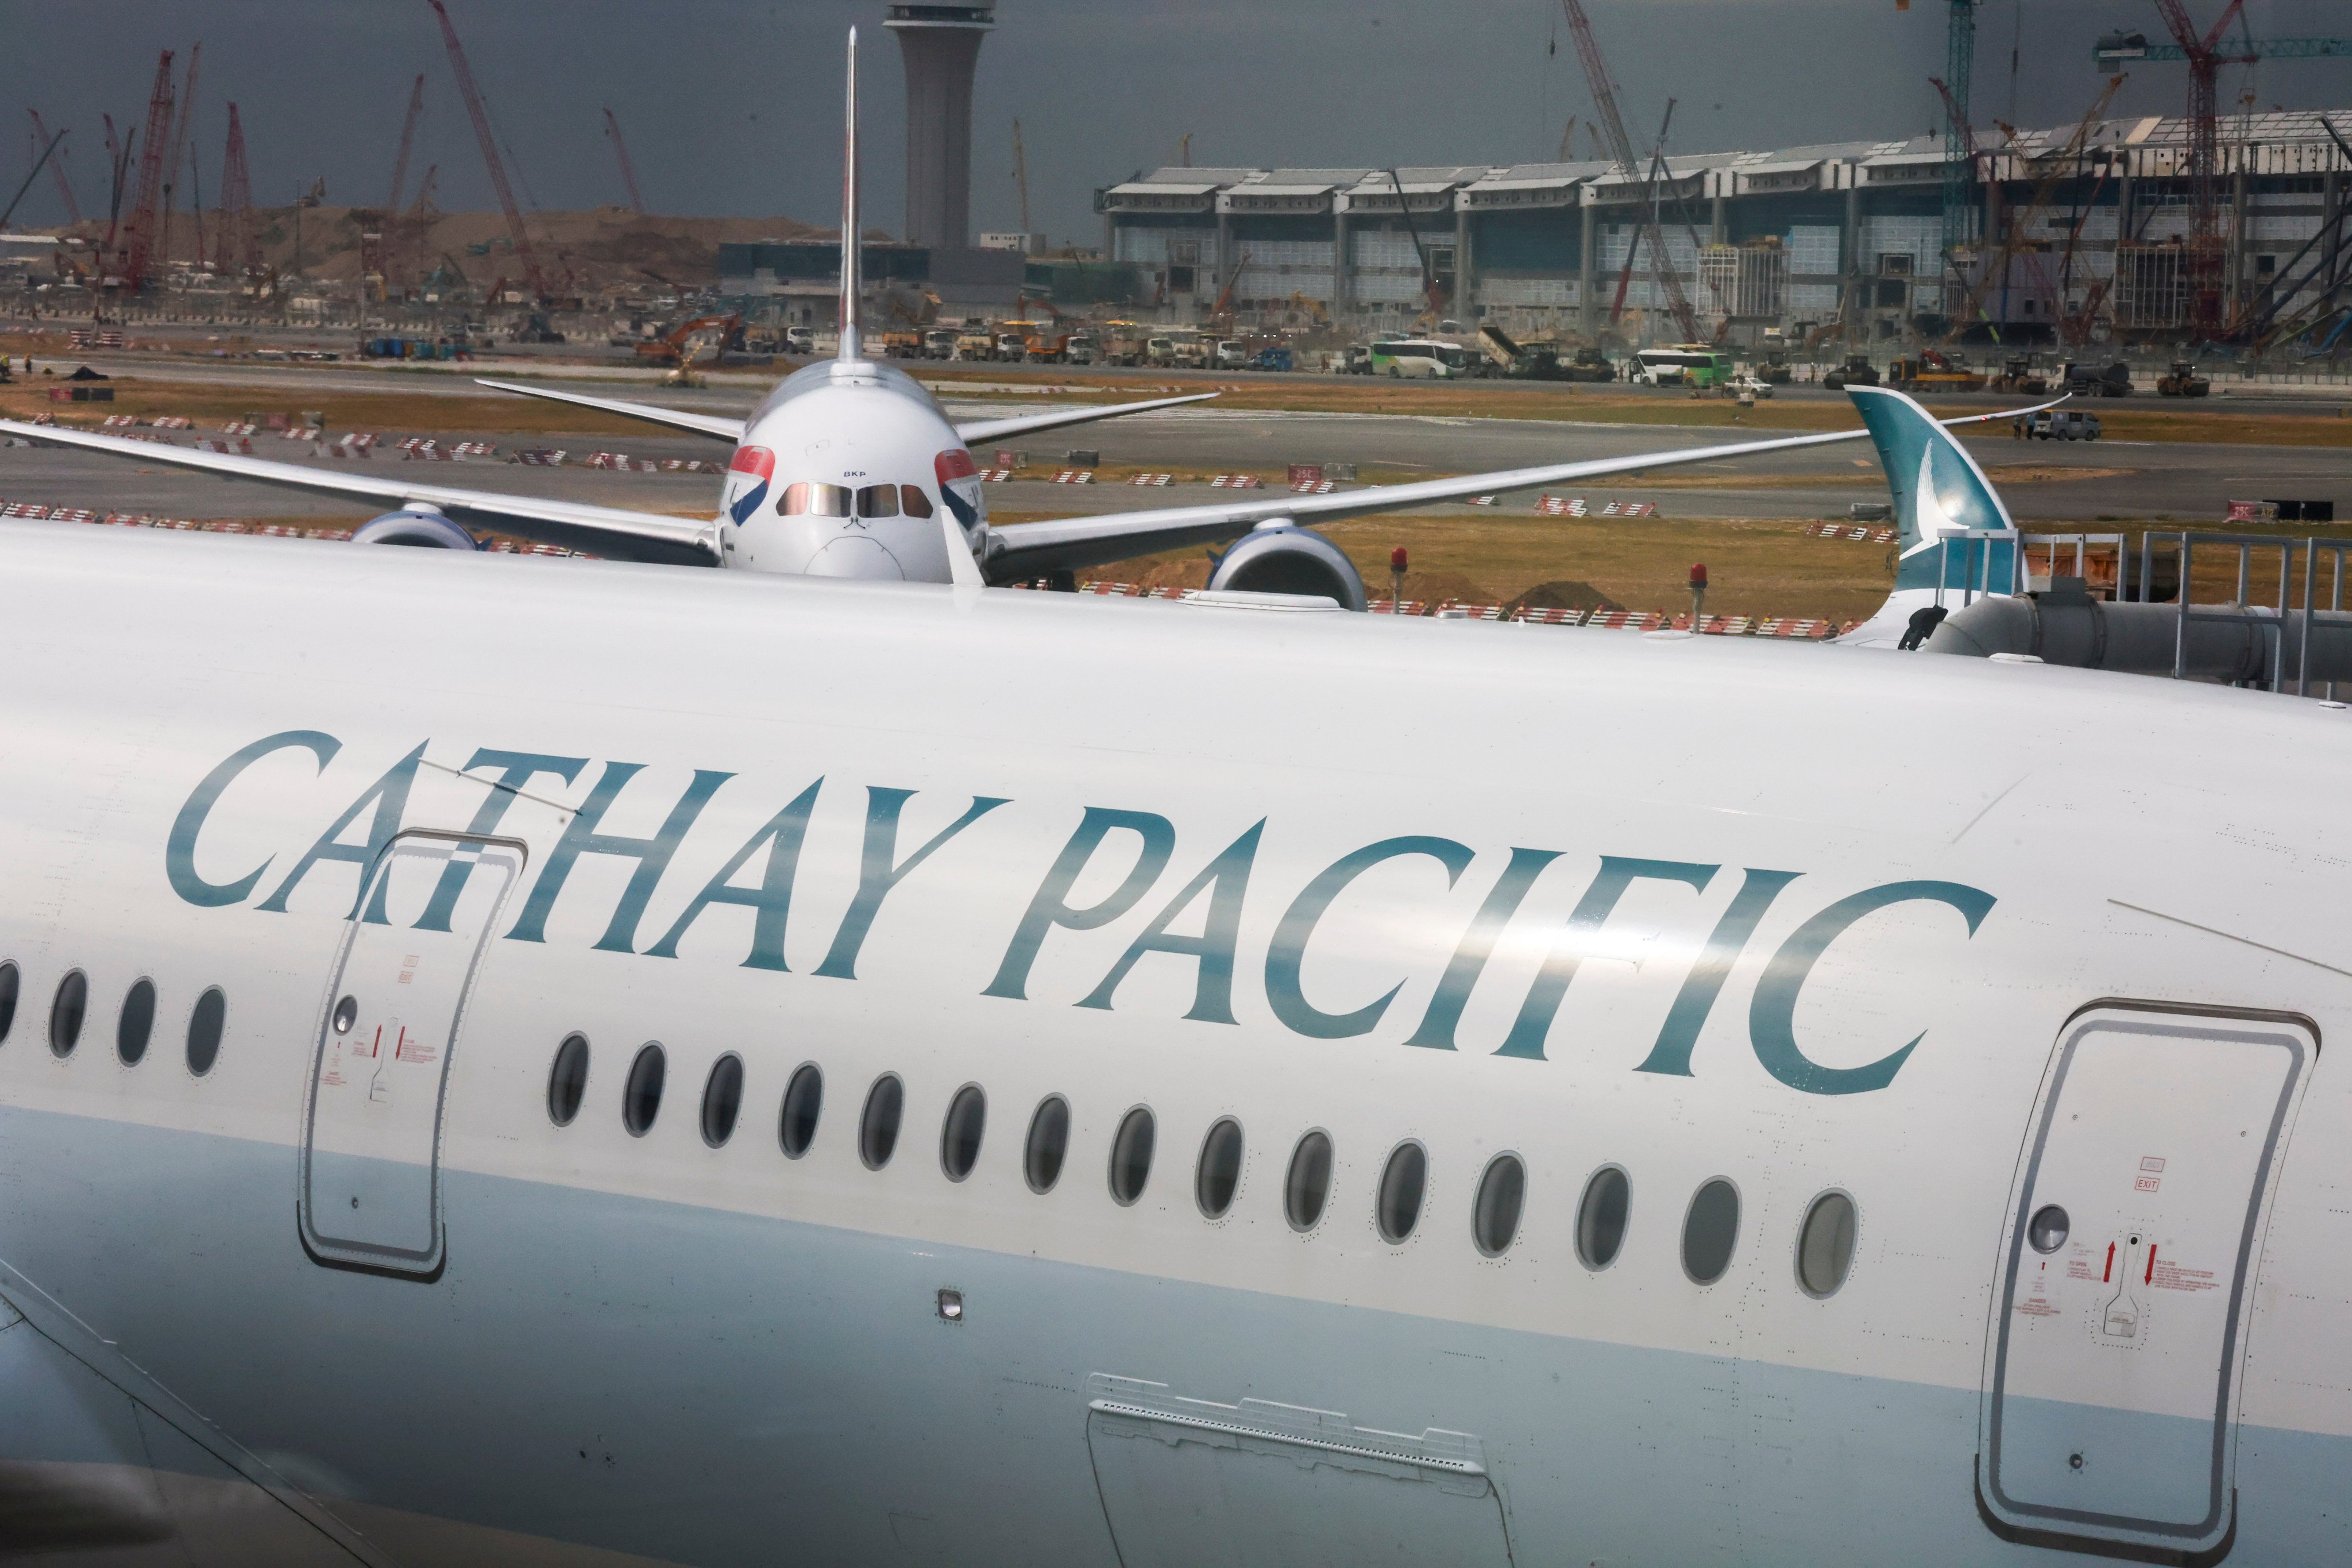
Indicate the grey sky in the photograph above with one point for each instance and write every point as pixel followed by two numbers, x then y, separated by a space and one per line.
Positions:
pixel 732 106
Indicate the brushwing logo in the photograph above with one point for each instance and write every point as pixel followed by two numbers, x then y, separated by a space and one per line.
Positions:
pixel 958 479
pixel 747 482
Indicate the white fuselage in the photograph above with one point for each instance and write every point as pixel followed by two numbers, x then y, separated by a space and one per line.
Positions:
pixel 1802 920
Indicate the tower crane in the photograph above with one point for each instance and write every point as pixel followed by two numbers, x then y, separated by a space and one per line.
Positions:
pixel 407 138
pixel 1021 180
pixel 139 238
pixel 182 119
pixel 1621 147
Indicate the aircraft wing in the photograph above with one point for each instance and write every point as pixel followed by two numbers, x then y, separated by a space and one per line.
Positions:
pixel 727 429
pixel 1022 423
pixel 1023 549
pixel 718 424
pixel 606 530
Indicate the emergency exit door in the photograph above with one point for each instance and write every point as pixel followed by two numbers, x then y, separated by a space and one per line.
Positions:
pixel 371 1184
pixel 2133 1236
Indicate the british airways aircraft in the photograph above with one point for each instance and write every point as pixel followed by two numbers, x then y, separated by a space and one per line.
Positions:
pixel 852 469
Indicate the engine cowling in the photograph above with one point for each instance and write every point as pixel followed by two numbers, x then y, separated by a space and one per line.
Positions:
pixel 1283 558
pixel 417 527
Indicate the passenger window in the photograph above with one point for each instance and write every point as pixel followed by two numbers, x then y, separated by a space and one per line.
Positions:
pixel 1221 1168
pixel 1130 1156
pixel 1398 1209
pixel 136 1023
pixel 1307 1186
pixel 1601 1218
pixel 65 1012
pixel 1494 1212
pixel 804 1099
pixel 204 1024
pixel 1825 1245
pixel 877 1129
pixel 722 1099
pixel 959 1134
pixel 641 1098
pixel 878 500
pixel 567 1080
pixel 1048 1142
pixel 914 501
pixel 1710 1231
pixel 9 982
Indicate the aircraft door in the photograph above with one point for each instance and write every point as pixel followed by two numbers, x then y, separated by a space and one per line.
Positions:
pixel 2134 1234
pixel 379 1073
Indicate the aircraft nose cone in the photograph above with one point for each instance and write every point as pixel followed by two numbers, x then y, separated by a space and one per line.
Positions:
pixel 857 557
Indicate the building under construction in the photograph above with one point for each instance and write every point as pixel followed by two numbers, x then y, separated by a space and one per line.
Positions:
pixel 2074 235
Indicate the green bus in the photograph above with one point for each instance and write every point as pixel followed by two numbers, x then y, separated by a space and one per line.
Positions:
pixel 1682 364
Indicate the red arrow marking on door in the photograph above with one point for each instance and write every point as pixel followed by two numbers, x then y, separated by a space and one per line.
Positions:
pixel 2110 1273
pixel 2151 1263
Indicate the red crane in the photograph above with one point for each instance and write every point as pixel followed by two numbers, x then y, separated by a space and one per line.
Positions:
pixel 628 173
pixel 407 138
pixel 2205 63
pixel 57 166
pixel 236 241
pixel 481 118
pixel 139 238
pixel 1620 146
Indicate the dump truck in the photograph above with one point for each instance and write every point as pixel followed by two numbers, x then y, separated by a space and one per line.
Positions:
pixel 1857 371
pixel 2087 380
pixel 940 342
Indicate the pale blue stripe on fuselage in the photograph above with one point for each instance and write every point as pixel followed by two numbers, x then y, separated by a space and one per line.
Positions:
pixel 716 1388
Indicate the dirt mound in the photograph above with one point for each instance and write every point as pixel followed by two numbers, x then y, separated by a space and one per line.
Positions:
pixel 1564 594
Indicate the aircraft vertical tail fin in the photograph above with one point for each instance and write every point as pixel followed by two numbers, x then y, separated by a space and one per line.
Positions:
pixel 852 258
pixel 1938 487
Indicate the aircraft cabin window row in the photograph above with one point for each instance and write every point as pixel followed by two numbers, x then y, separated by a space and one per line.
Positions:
pixel 134 1025
pixel 1710 1228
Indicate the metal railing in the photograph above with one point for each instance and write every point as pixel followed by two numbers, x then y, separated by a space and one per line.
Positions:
pixel 2051 543
pixel 2265 619
pixel 1976 568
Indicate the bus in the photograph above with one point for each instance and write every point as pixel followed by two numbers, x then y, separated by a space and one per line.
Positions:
pixel 1682 364
pixel 1424 358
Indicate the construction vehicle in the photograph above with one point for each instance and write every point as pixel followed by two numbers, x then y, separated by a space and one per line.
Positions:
pixel 1857 371
pixel 1122 343
pixel 1012 343
pixel 901 344
pixel 940 342
pixel 1933 371
pixel 1275 358
pixel 2017 374
pixel 975 342
pixel 670 349
pixel 1233 355
pixel 2083 380
pixel 2182 381
pixel 1082 347
pixel 1046 346
pixel 800 340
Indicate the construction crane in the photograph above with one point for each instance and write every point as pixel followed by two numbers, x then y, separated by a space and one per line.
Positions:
pixel 180 119
pixel 2052 166
pixel 1959 139
pixel 31 175
pixel 407 138
pixel 237 242
pixel 1021 180
pixel 2117 47
pixel 1620 146
pixel 1567 141
pixel 628 170
pixel 139 237
pixel 57 167
pixel 524 254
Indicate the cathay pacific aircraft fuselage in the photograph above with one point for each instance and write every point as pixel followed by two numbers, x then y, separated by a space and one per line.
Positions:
pixel 586 1063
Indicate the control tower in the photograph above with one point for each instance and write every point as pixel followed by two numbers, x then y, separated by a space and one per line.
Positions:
pixel 940 43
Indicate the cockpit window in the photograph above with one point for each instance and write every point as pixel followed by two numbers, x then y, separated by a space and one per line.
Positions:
pixel 816 500
pixel 916 502
pixel 878 500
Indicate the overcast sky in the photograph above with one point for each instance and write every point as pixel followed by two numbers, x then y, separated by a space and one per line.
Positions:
pixel 732 106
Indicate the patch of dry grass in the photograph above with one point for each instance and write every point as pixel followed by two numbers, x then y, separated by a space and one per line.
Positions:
pixel 212 404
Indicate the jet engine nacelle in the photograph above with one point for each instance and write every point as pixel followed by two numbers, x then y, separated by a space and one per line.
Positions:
pixel 418 527
pixel 1283 558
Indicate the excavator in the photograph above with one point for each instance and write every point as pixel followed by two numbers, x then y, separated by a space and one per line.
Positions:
pixel 670 348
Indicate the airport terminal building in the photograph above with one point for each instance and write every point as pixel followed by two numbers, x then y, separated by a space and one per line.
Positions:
pixel 2087 228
